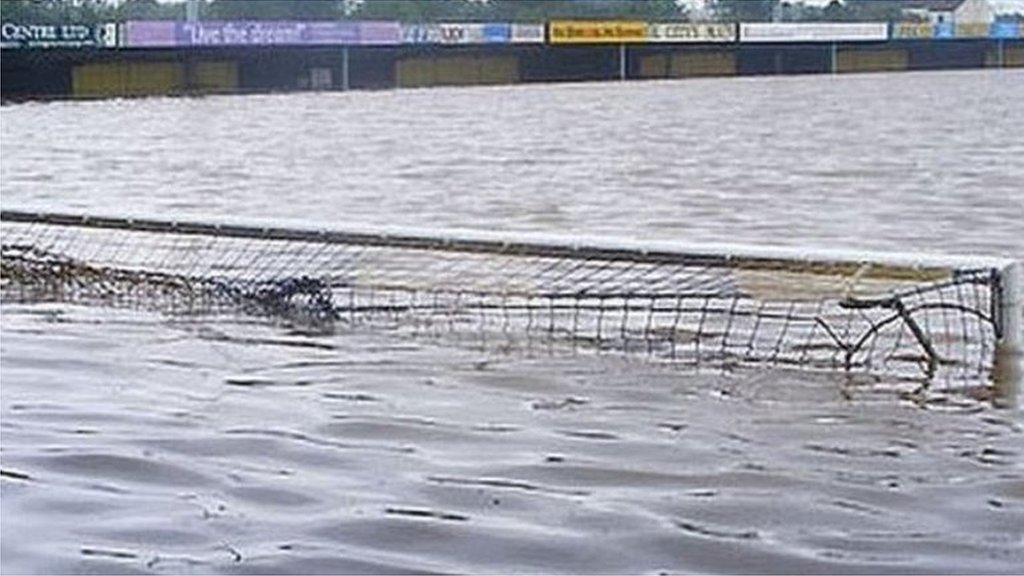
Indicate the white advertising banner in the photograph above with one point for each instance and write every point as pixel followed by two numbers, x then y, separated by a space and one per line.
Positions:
pixel 527 33
pixel 691 32
pixel 815 32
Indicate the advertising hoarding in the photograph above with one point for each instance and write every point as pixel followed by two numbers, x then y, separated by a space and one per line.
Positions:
pixel 1005 30
pixel 157 34
pixel 150 34
pixel 690 32
pixel 972 30
pixel 270 33
pixel 378 33
pixel 913 30
pixel 16 35
pixel 596 32
pixel 527 33
pixel 815 32
pixel 457 33
pixel 945 30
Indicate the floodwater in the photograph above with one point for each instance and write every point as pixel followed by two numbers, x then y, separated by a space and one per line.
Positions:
pixel 134 442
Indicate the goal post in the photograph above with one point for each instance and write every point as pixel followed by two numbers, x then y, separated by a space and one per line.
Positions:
pixel 936 318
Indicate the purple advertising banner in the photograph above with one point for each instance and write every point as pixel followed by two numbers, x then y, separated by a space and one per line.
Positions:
pixel 380 33
pixel 157 34
pixel 149 34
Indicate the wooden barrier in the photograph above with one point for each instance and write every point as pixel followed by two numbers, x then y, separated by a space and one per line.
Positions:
pixel 102 80
pixel 653 66
pixel 687 64
pixel 114 79
pixel 215 77
pixel 872 60
pixel 692 64
pixel 456 71
pixel 1013 57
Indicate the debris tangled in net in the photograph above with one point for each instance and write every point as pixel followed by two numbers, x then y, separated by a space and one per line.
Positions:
pixel 29 273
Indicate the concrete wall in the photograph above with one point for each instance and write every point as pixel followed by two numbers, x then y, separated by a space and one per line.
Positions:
pixel 35 75
pixel 306 69
pixel 785 59
pixel 570 64
pixel 373 68
pixel 949 54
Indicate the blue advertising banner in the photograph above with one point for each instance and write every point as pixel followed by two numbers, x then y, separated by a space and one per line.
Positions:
pixel 500 33
pixel 1005 30
pixel 945 30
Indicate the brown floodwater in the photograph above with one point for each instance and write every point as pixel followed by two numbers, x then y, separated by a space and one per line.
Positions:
pixel 134 442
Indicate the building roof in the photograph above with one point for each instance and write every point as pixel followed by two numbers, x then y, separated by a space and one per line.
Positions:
pixel 932 5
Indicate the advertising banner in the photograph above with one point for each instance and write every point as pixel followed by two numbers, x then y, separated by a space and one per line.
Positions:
pixel 457 33
pixel 972 30
pixel 913 30
pixel 527 33
pixel 494 32
pixel 420 34
pixel 157 34
pixel 596 32
pixel 690 32
pixel 150 34
pixel 372 33
pixel 270 33
pixel 815 32
pixel 945 30
pixel 14 35
pixel 1005 30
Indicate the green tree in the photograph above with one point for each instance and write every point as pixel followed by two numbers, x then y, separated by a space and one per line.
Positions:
pixel 272 10
pixel 543 10
pixel 875 10
pixel 517 10
pixel 55 11
pixel 418 11
pixel 745 10
pixel 87 11
pixel 149 10
pixel 801 12
pixel 836 11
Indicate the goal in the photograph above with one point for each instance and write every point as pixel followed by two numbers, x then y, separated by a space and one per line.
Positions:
pixel 900 315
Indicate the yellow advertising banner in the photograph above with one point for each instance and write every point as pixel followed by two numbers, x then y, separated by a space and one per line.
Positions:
pixel 913 30
pixel 596 32
pixel 972 30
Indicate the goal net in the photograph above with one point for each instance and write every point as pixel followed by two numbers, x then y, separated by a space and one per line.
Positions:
pixel 931 318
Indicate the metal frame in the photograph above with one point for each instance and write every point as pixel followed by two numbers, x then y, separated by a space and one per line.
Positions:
pixel 1002 274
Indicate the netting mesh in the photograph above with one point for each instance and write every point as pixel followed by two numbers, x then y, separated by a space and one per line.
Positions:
pixel 934 323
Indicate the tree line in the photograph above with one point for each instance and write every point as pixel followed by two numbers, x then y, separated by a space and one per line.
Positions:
pixel 94 11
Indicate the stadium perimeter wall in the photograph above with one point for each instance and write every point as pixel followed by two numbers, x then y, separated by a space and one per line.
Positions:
pixel 164 58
